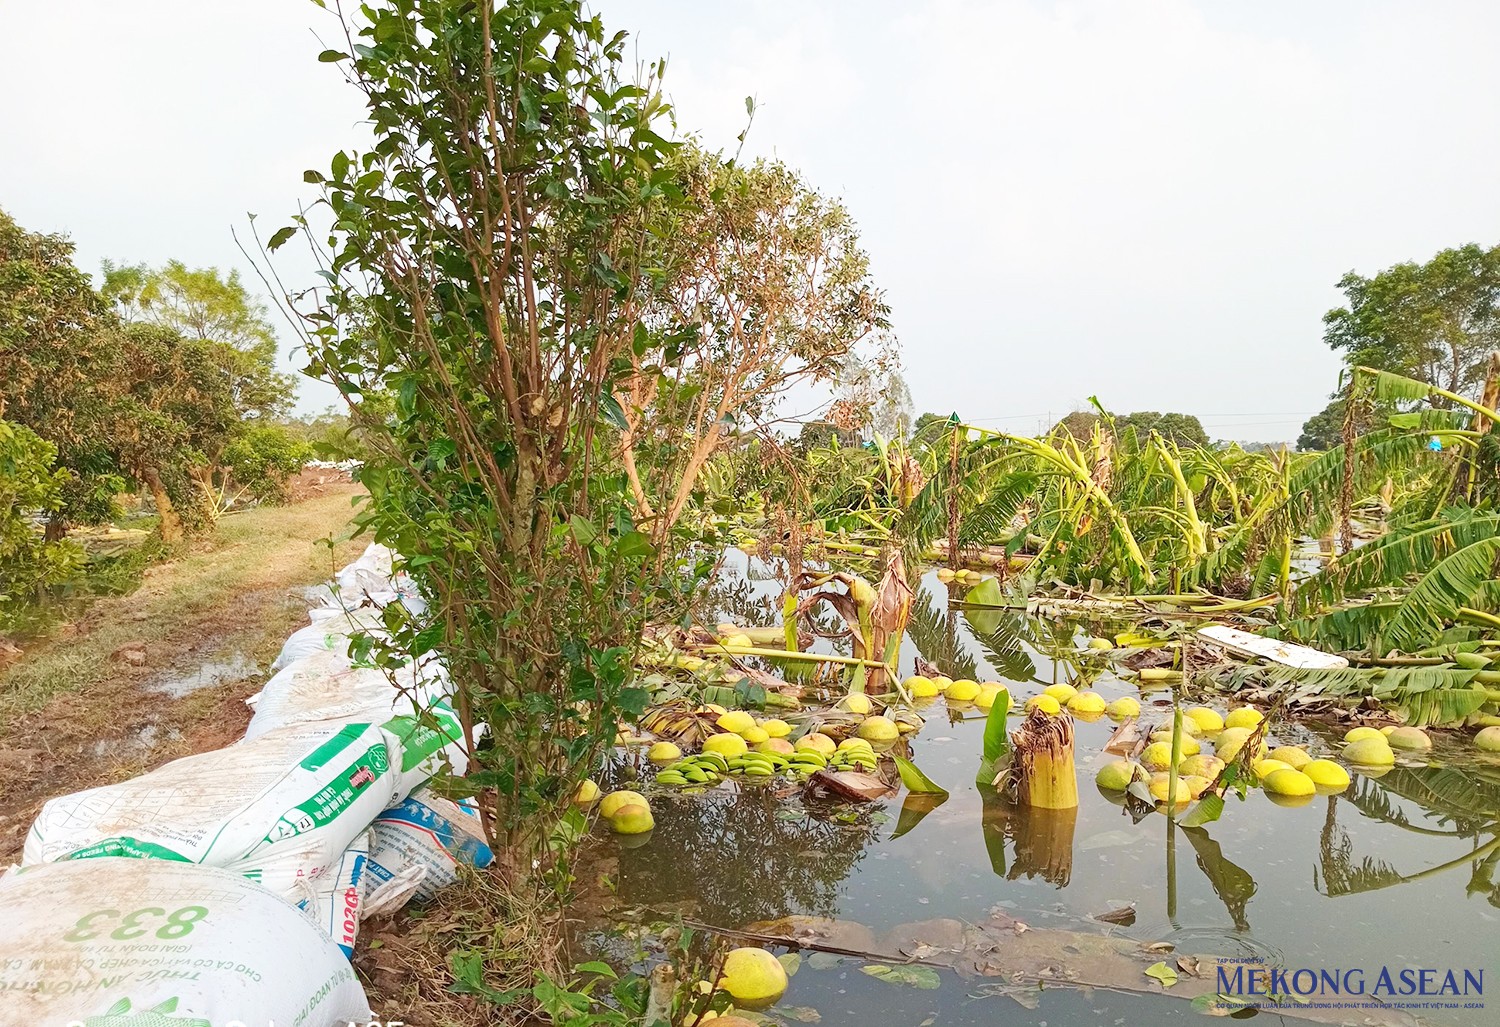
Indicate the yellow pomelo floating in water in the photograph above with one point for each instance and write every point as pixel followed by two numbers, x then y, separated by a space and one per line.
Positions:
pixel 1115 776
pixel 587 792
pixel 663 752
pixel 753 977
pixel 633 818
pixel 817 743
pixel 963 690
pixel 944 574
pixel 1062 693
pixel 1289 782
pixel 1387 730
pixel 942 681
pixel 615 800
pixel 1266 767
pixel 855 743
pixel 1045 703
pixel 1087 702
pixel 879 729
pixel 1326 774
pixel 1410 738
pixel 736 722
pixel 988 693
pixel 1370 752
pixel 776 728
pixel 1123 707
pixel 1157 756
pixel 1207 719
pixel 778 745
pixel 1358 734
pixel 1190 746
pixel 754 735
pixel 1292 756
pixel 1231 740
pixel 737 642
pixel 1245 716
pixel 1100 643
pixel 919 687
pixel 1202 765
pixel 1188 788
pixel 1488 739
pixel 726 744
pixel 856 702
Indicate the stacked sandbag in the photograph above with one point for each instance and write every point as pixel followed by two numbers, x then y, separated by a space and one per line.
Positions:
pixel 280 808
pixel 112 942
pixel 293 817
pixel 417 847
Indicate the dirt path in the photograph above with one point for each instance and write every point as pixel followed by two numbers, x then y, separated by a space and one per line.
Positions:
pixel 159 674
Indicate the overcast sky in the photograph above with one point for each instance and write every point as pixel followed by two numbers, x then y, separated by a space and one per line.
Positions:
pixel 1147 200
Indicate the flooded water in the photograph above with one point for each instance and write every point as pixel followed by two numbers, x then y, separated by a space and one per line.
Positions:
pixel 1397 872
pixel 206 675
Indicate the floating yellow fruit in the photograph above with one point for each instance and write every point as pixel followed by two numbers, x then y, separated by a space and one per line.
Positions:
pixel 856 702
pixel 944 574
pixel 738 642
pixel 963 690
pixel 879 729
pixel 1100 643
pixel 817 743
pixel 1208 720
pixel 753 977
pixel 942 681
pixel 1410 738
pixel 1123 708
pixel 1370 752
pixel 726 744
pixel 1115 776
pixel 1288 782
pixel 1157 756
pixel 587 792
pixel 1387 730
pixel 855 743
pixel 1062 693
pixel 1292 756
pixel 633 818
pixel 1188 788
pixel 988 693
pixel 1231 740
pixel 735 722
pixel 1355 734
pixel 1266 767
pixel 1326 774
pixel 754 735
pixel 1190 746
pixel 663 752
pixel 1045 703
pixel 779 745
pixel 614 800
pixel 1202 765
pixel 919 687
pixel 776 728
pixel 1245 716
pixel 1087 702
pixel 1488 739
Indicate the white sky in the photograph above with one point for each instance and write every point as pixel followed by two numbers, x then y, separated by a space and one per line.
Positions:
pixel 1150 200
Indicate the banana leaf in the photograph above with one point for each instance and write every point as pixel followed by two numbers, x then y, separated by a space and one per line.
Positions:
pixel 996 739
pixel 915 781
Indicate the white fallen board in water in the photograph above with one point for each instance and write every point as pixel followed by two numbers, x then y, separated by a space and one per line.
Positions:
pixel 1288 654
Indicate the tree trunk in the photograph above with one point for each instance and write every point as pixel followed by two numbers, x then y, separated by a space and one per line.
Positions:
pixel 171 524
pixel 56 530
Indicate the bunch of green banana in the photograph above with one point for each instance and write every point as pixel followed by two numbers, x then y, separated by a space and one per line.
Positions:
pixel 704 768
pixel 758 764
pixel 806 762
pixel 855 754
